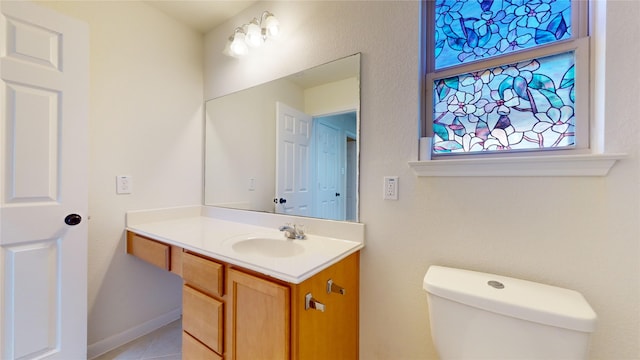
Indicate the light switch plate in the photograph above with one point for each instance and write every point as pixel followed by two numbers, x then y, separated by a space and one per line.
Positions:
pixel 124 184
pixel 390 188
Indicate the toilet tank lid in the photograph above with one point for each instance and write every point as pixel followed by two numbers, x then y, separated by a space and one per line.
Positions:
pixel 527 300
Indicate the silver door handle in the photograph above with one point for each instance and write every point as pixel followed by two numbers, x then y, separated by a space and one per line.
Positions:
pixel 311 303
pixel 332 287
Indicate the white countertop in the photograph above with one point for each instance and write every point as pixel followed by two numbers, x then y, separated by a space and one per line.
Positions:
pixel 199 230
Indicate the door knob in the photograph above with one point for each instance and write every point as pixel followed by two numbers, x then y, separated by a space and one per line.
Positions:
pixel 73 219
pixel 337 194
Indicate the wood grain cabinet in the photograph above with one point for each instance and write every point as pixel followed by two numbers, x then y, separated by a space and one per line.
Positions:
pixel 233 313
pixel 164 256
pixel 194 349
pixel 203 301
pixel 259 317
pixel 332 334
pixel 269 319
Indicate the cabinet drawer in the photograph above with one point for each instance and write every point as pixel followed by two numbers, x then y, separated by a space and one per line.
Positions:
pixel 203 274
pixel 202 318
pixel 193 349
pixel 151 251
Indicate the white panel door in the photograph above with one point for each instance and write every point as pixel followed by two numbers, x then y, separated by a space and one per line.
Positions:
pixel 44 89
pixel 329 171
pixel 293 167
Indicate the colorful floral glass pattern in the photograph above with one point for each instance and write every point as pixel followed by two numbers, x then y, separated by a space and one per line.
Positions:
pixel 524 106
pixel 469 30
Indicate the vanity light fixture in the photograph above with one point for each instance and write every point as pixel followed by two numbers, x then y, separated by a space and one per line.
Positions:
pixel 253 34
pixel 238 46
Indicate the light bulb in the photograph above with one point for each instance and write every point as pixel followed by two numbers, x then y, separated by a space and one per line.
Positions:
pixel 238 47
pixel 254 35
pixel 272 25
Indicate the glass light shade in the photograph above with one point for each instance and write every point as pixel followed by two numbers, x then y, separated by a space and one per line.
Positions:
pixel 254 35
pixel 272 25
pixel 238 46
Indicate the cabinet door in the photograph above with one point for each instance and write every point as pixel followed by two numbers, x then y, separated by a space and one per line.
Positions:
pixel 259 318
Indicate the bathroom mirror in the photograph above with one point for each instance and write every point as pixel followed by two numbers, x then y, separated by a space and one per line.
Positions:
pixel 288 146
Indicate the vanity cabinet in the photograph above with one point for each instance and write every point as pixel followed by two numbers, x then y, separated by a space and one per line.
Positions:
pixel 230 312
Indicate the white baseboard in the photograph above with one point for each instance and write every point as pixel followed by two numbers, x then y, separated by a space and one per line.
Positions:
pixel 103 346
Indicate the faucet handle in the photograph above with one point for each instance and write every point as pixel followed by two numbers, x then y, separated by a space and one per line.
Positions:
pixel 299 230
pixel 289 232
pixel 295 232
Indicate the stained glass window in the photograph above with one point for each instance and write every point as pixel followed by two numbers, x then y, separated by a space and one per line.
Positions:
pixel 527 105
pixel 503 75
pixel 468 30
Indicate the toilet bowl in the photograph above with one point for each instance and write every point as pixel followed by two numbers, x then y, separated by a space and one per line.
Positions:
pixel 475 315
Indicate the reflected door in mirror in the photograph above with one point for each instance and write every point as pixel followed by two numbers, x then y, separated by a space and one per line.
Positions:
pixel 328 167
pixel 293 132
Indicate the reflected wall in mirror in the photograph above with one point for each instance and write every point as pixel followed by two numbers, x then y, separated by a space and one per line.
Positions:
pixel 288 146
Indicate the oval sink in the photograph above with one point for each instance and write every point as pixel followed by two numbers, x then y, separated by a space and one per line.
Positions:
pixel 269 247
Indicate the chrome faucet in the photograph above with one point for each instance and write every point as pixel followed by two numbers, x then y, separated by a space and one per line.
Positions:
pixel 294 232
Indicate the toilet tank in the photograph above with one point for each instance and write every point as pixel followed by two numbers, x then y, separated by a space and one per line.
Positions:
pixel 475 315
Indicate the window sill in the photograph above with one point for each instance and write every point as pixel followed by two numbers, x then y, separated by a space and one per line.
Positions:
pixel 554 165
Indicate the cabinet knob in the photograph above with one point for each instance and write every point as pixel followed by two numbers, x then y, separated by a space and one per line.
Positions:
pixel 311 303
pixel 332 287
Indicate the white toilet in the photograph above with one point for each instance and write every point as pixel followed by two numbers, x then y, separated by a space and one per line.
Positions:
pixel 483 316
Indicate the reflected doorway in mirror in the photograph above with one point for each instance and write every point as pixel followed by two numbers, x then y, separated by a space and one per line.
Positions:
pixel 315 162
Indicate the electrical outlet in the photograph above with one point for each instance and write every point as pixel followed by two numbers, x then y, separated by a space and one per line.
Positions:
pixel 124 184
pixel 390 188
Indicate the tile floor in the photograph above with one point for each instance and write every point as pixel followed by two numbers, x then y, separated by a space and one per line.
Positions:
pixel 162 344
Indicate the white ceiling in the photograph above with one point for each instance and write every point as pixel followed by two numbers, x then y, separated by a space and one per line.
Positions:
pixel 202 15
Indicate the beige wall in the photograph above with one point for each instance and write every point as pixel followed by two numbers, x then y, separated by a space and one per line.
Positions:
pixel 332 98
pixel 580 233
pixel 245 120
pixel 145 121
